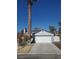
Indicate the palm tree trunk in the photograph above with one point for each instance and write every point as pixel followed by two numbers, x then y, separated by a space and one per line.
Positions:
pixel 29 17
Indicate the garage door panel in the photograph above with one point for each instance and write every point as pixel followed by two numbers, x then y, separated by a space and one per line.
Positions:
pixel 43 39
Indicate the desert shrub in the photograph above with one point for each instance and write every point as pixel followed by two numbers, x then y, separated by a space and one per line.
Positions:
pixel 24 39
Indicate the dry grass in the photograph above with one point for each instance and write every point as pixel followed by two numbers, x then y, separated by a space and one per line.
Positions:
pixel 24 49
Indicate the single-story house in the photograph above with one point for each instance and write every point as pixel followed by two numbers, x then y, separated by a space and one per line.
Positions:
pixel 43 37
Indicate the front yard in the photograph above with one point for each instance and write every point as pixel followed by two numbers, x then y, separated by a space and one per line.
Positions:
pixel 24 49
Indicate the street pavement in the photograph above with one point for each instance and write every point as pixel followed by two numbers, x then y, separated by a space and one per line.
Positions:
pixel 42 51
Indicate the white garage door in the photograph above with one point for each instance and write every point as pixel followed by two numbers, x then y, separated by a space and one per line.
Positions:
pixel 43 39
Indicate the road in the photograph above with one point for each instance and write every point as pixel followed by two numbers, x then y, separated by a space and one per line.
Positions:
pixel 42 51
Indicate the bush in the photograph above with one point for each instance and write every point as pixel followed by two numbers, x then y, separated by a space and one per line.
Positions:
pixel 24 39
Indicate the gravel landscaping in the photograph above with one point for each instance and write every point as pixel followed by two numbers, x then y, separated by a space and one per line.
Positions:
pixel 24 49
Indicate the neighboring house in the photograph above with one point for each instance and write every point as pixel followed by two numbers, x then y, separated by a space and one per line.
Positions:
pixel 43 37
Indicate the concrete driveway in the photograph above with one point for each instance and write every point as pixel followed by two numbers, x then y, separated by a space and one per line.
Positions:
pixel 42 51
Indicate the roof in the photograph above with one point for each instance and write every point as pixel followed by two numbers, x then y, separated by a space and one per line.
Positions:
pixel 42 32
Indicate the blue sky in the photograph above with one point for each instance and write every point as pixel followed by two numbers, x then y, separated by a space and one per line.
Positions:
pixel 44 13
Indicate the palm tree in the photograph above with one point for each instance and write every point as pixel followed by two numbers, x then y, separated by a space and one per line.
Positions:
pixel 30 3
